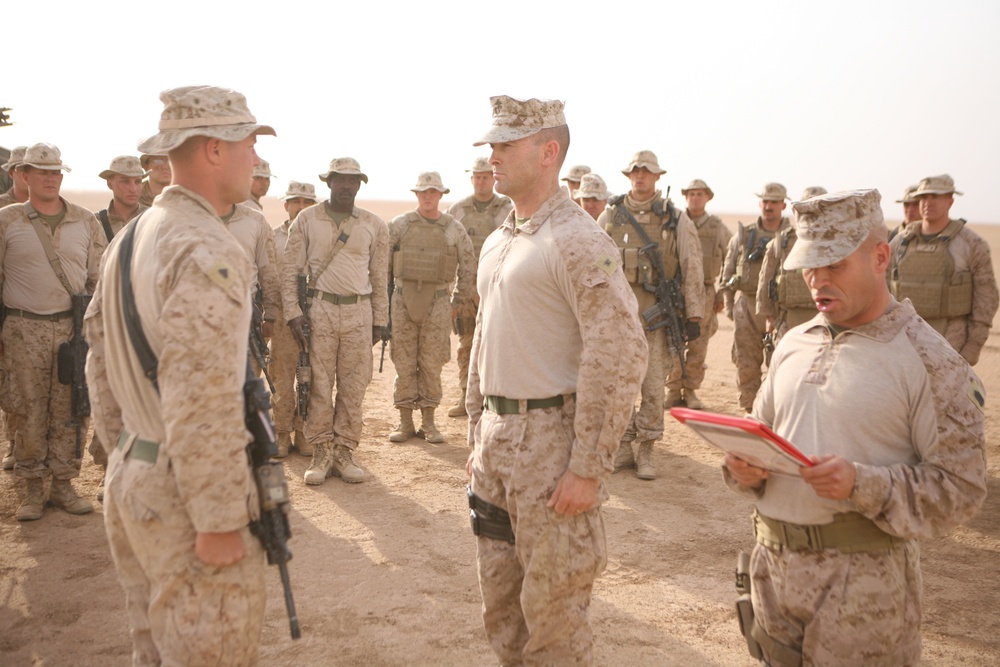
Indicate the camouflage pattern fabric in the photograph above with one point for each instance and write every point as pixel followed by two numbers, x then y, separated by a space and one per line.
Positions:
pixel 419 350
pixel 696 351
pixel 748 349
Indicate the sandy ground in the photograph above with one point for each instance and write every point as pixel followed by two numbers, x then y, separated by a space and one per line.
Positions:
pixel 384 572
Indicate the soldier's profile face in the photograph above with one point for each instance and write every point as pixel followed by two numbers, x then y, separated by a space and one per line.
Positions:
pixel 260 186
pixel 516 166
pixel 126 189
pixel 239 159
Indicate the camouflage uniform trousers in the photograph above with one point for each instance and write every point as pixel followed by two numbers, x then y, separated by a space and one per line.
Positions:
pixel 284 359
pixel 44 444
pixel 536 593
pixel 463 356
pixel 419 350
pixel 340 352
pixel 647 422
pixel 181 611
pixel 748 349
pixel 840 609
pixel 696 351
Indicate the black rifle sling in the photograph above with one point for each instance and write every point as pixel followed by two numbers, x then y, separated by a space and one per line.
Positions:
pixel 671 224
pixel 102 215
pixel 140 344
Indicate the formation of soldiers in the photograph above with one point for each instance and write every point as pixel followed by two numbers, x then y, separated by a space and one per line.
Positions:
pixel 334 280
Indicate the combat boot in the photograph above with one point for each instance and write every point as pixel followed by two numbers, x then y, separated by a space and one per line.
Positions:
pixel 322 465
pixel 624 458
pixel 63 496
pixel 673 399
pixel 284 444
pixel 429 431
pixel 692 401
pixel 458 410
pixel 303 445
pixel 405 430
pixel 32 505
pixel 8 458
pixel 344 467
pixel 644 461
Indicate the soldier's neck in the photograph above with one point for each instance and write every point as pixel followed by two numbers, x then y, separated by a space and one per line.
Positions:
pixel 527 204
pixel 119 209
pixel 928 228
pixel 48 207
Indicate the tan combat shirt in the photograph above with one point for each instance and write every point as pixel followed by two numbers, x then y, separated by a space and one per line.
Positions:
pixel 360 267
pixel 557 316
pixel 192 286
pixel 27 280
pixel 257 238
pixel 116 221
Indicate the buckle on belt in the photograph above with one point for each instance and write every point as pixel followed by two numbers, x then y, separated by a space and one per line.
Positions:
pixel 798 538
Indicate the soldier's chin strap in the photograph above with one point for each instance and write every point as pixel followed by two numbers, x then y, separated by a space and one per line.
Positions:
pixel 133 325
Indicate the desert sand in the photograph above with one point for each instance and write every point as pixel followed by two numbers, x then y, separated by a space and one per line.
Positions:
pixel 384 572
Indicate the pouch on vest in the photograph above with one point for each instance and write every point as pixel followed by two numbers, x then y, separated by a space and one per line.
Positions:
pixel 630 264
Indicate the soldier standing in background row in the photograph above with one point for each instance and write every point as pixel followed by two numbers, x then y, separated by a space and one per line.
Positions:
pixel 679 247
pixel 892 420
pixel 741 273
pixel 573 178
pixel 18 191
pixel 192 571
pixel 557 359
pixel 284 348
pixel 260 185
pixel 50 250
pixel 944 268
pixel 480 213
pixel 430 250
pixel 344 251
pixel 714 237
pixel 911 210
pixel 783 298
pixel 157 176
pixel 593 195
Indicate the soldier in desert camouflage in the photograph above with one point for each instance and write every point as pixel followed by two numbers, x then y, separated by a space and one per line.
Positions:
pixel 18 191
pixel 892 420
pixel 480 213
pixel 157 177
pixel 192 570
pixel 261 184
pixel 593 195
pixel 573 178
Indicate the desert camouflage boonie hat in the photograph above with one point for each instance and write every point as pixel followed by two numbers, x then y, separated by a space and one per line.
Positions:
pixel 16 158
pixel 774 192
pixel 263 170
pixel 480 165
pixel 698 184
pixel 126 165
pixel 592 185
pixel 515 119
pixel 645 159
pixel 202 111
pixel 576 173
pixel 832 226
pixel 908 197
pixel 44 156
pixel 343 165
pixel 297 189
pixel 937 185
pixel 429 180
pixel 812 191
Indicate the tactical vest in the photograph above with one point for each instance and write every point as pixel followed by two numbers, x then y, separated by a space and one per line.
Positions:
pixel 792 292
pixel 751 246
pixel 712 255
pixel 479 225
pixel 423 253
pixel 661 229
pixel 925 274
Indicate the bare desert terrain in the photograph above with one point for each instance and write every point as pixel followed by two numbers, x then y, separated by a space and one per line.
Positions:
pixel 384 571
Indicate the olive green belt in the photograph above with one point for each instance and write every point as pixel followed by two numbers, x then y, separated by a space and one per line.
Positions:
pixel 849 533
pixel 512 406
pixel 437 295
pixel 16 312
pixel 338 299
pixel 144 450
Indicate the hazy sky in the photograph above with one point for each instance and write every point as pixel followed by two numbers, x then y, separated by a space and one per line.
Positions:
pixel 844 95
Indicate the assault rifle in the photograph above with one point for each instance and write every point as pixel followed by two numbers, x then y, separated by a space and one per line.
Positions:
pixel 258 346
pixel 272 528
pixel 668 312
pixel 303 371
pixel 72 362
pixel 386 332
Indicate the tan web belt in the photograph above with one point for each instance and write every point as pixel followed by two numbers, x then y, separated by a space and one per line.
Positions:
pixel 16 312
pixel 338 299
pixel 512 406
pixel 849 532
pixel 144 450
pixel 437 295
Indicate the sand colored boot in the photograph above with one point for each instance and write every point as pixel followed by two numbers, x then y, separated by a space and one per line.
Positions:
pixel 692 401
pixel 458 410
pixel 322 465
pixel 33 503
pixel 8 458
pixel 284 444
pixel 63 496
pixel 428 429
pixel 624 458
pixel 406 429
pixel 644 461
pixel 673 399
pixel 344 466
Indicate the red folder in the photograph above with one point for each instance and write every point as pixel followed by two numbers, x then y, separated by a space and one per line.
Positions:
pixel 745 438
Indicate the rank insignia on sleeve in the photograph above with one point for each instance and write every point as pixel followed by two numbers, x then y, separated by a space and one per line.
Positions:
pixel 222 274
pixel 977 394
pixel 607 262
